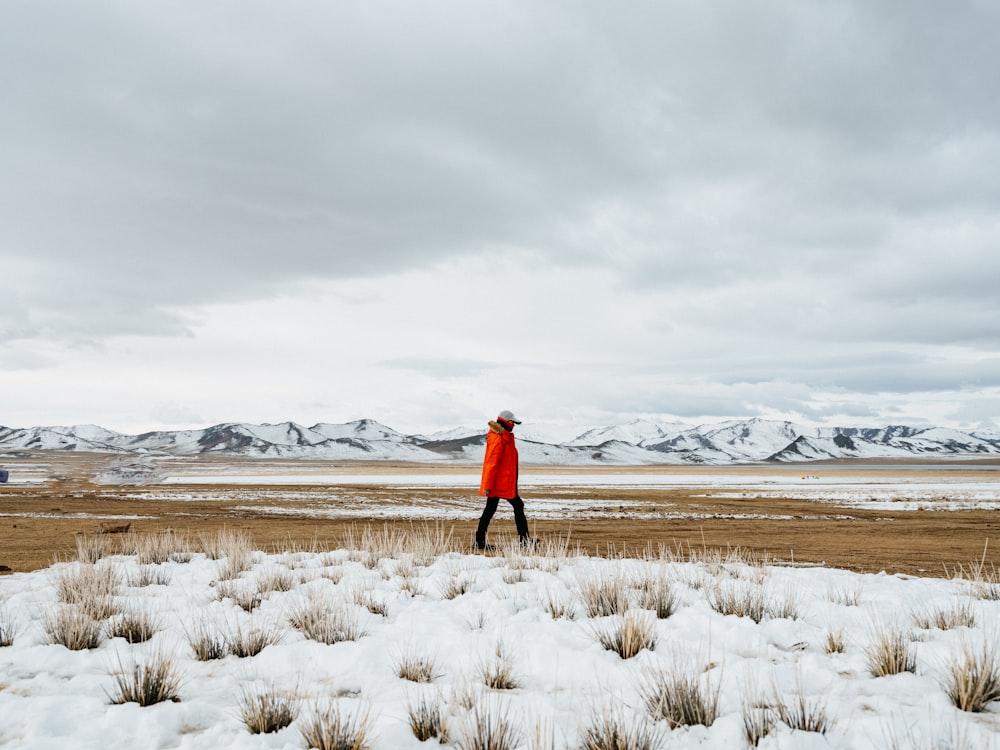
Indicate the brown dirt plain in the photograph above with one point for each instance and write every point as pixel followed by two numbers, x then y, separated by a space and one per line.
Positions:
pixel 39 523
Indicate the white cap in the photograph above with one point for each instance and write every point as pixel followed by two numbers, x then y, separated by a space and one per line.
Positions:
pixel 509 416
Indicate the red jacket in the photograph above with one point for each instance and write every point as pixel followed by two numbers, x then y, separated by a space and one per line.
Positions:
pixel 499 464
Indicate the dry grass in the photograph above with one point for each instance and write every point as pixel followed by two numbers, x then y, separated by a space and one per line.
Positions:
pixel 739 598
pixel 455 586
pixel 973 678
pixel 207 641
pixel 801 713
pixel 327 727
pixel 267 710
pixel 416 667
pixel 890 651
pixel 610 729
pixel 155 681
pixel 136 624
pixel 8 628
pixel 497 671
pixel 656 593
pixel 557 605
pixel 250 642
pixel 149 575
pixel 152 549
pixel 90 586
pixel 326 620
pixel 682 697
pixel 91 548
pixel 247 599
pixel 627 635
pixel 835 641
pixel 848 596
pixel 275 579
pixel 758 720
pixel 604 595
pixel 428 719
pixel 70 627
pixel 960 614
pixel 490 727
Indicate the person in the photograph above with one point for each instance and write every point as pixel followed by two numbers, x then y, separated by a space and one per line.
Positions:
pixel 499 481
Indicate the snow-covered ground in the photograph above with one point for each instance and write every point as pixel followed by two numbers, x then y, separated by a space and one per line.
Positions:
pixel 52 697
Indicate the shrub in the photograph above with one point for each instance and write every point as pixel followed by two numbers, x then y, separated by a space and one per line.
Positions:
pixel 155 681
pixel 681 696
pixel 328 728
pixel 973 678
pixel 268 710
pixel 627 635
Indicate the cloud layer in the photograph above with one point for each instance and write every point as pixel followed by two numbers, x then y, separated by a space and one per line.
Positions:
pixel 426 212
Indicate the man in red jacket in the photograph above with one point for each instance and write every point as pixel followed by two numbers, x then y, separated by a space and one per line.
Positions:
pixel 500 479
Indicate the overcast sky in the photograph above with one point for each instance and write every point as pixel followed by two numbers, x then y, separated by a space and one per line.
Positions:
pixel 425 212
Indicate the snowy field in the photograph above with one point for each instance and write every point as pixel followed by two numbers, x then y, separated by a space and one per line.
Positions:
pixel 328 634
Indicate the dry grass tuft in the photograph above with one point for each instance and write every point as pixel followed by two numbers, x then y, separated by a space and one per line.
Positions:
pixel 329 728
pixel 604 595
pixel 246 643
pixel 155 681
pixel 739 598
pixel 207 642
pixel 70 627
pixel 558 606
pixel 847 596
pixel 656 593
pixel 960 614
pixel 609 729
pixel 275 579
pixel 246 599
pixel 415 668
pixel 79 584
pixel 268 710
pixel 836 640
pixel 8 628
pixel 326 620
pixel 90 549
pixel 627 635
pixel 497 671
pixel 455 586
pixel 490 728
pixel 684 697
pixel 149 575
pixel 428 719
pixel 890 651
pixel 801 713
pixel 135 624
pixel 973 678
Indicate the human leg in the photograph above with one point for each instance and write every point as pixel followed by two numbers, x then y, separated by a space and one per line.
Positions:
pixel 484 521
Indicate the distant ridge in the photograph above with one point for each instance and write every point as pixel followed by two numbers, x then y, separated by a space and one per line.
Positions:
pixel 634 443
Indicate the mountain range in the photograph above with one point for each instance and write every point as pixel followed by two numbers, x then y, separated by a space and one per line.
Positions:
pixel 634 443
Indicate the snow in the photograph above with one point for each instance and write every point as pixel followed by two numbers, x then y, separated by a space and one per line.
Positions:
pixel 52 697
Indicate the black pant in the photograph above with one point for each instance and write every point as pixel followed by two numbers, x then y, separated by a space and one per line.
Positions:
pixel 491 507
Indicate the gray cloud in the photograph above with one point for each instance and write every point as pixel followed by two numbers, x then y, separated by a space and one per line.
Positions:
pixel 794 194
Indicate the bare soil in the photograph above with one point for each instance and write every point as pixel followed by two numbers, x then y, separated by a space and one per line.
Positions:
pixel 39 523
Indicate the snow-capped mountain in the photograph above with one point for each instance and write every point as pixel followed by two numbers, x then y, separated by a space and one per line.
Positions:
pixel 637 442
